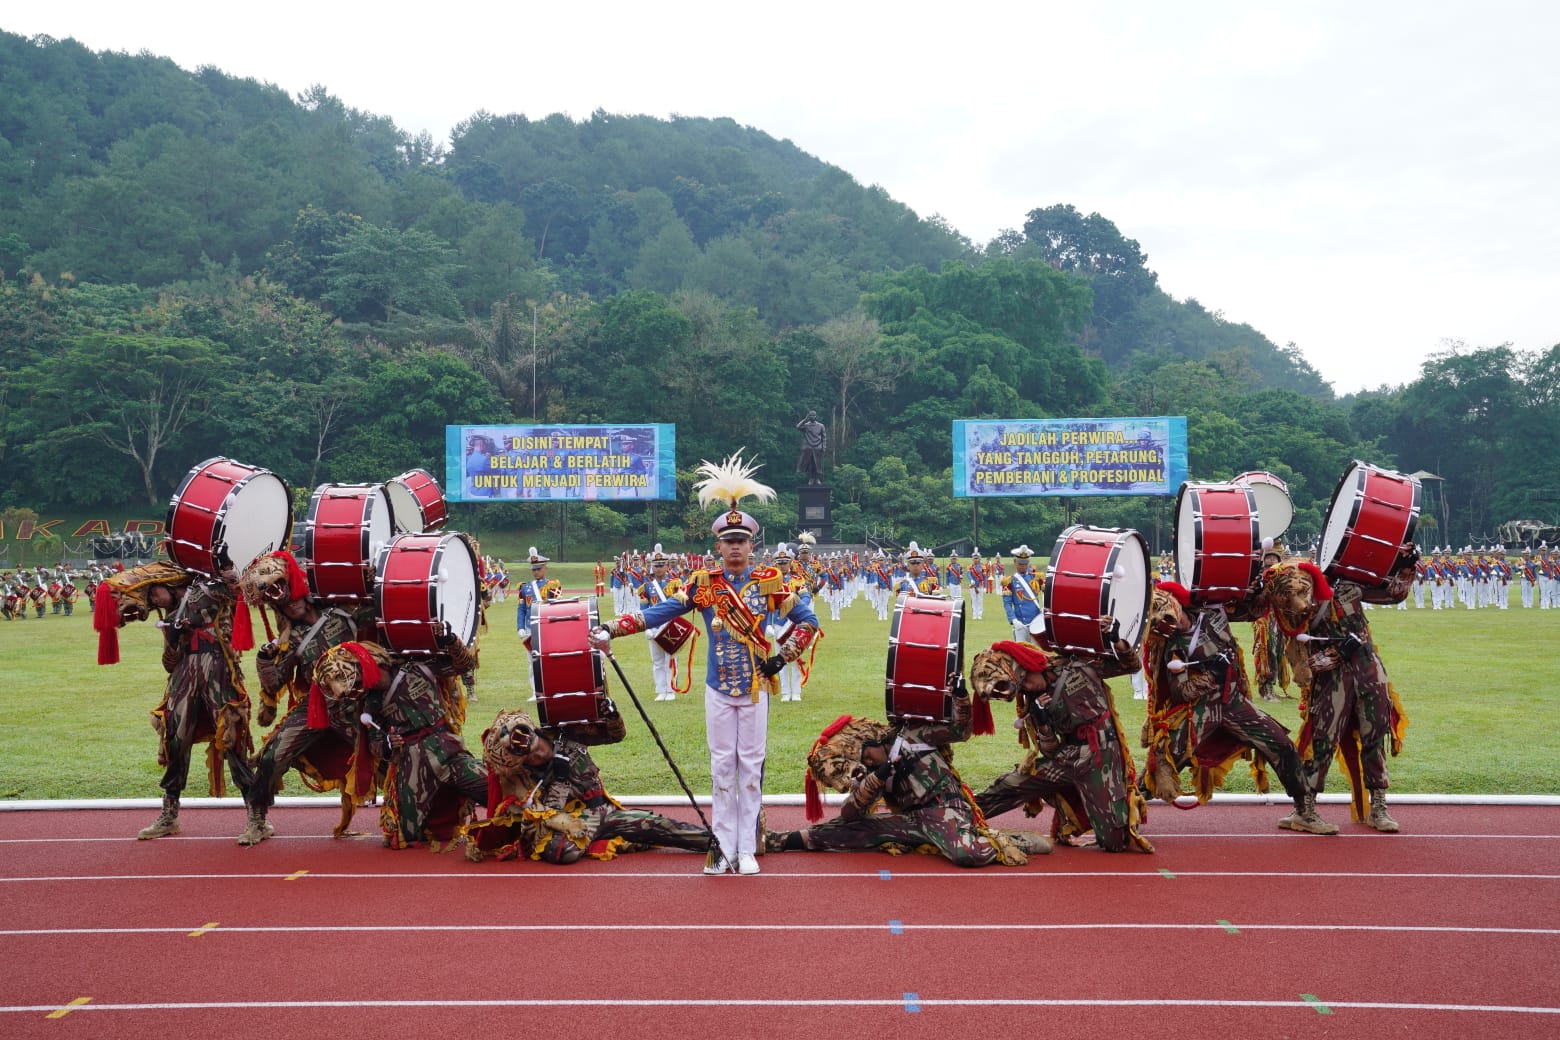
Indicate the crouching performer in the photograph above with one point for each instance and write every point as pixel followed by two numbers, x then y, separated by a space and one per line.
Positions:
pixel 547 802
pixel 1200 712
pixel 1078 759
pixel 337 756
pixel 908 768
pixel 205 700
pixel 432 781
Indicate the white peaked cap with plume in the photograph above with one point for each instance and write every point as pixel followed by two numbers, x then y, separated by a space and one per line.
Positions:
pixel 728 483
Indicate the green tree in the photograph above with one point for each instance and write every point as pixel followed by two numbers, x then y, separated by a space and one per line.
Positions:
pixel 133 394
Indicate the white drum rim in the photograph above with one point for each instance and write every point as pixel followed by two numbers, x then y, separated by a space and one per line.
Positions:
pixel 1340 513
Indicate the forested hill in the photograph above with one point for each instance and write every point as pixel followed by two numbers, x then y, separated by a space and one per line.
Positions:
pixel 193 263
pixel 118 168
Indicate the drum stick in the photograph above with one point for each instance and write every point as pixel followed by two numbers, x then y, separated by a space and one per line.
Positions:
pixel 714 842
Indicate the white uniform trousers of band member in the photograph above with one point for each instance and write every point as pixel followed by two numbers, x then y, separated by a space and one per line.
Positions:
pixel 737 729
pixel 977 602
pixel 660 667
pixel 791 682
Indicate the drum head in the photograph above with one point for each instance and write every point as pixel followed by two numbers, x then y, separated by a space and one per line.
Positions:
pixel 457 577
pixel 1341 513
pixel 257 519
pixel 1275 511
pixel 1185 534
pixel 405 512
pixel 1129 588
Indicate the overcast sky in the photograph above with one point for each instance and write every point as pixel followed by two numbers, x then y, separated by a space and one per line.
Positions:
pixel 1369 181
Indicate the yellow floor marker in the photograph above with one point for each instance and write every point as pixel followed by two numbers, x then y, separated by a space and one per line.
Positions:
pixel 295 875
pixel 203 929
pixel 68 1008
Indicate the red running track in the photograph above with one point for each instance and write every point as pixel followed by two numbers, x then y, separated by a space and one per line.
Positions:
pixel 1449 929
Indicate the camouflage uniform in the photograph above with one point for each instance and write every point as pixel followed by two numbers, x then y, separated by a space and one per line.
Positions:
pixel 1222 718
pixel 431 775
pixel 290 741
pixel 571 784
pixel 927 801
pixel 205 698
pixel 1088 764
pixel 1351 700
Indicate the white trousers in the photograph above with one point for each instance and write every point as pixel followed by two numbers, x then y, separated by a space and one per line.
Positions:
pixel 660 663
pixel 737 730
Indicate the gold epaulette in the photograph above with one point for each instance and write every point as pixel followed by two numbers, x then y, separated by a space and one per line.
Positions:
pixel 770 581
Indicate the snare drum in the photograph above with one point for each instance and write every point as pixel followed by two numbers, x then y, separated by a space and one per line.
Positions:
pixel 416 502
pixel 1372 517
pixel 925 647
pixel 673 635
pixel 227 513
pixel 1098 580
pixel 566 671
pixel 1274 508
pixel 347 526
pixel 1218 540
pixel 423 582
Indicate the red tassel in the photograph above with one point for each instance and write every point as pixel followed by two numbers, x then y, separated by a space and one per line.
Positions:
pixel 243 626
pixel 319 718
pixel 105 618
pixel 495 794
pixel 981 722
pixel 1323 590
pixel 814 799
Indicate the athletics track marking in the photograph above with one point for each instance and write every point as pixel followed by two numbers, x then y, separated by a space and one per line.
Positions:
pixel 894 927
pixel 909 1002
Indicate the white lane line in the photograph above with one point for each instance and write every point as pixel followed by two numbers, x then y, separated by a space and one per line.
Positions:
pixel 618 875
pixel 879 926
pixel 892 1002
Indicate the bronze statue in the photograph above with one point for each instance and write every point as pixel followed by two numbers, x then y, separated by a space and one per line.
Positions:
pixel 810 461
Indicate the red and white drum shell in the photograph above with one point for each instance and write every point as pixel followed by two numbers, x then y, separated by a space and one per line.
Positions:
pixel 346 527
pixel 565 669
pixel 423 582
pixel 1096 591
pixel 1372 517
pixel 227 514
pixel 1218 540
pixel 417 503
pixel 1275 509
pixel 925 647
pixel 674 635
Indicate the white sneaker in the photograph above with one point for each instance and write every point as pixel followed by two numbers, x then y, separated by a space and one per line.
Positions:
pixel 719 866
pixel 746 863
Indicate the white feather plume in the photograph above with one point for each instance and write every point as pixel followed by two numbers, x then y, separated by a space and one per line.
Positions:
pixel 807 538
pixel 730 482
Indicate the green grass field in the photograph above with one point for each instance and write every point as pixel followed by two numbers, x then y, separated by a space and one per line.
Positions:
pixel 1478 687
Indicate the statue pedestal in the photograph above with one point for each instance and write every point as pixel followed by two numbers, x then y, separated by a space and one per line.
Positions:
pixel 814 512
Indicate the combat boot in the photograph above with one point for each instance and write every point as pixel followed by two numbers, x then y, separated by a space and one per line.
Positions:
pixel 166 824
pixel 257 829
pixel 1305 819
pixel 1378 813
pixel 1031 843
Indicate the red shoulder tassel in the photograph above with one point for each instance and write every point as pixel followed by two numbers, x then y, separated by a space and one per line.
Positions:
pixel 243 626
pixel 319 718
pixel 814 799
pixel 981 722
pixel 105 618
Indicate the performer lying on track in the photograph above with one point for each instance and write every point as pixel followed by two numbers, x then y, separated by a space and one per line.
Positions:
pixel 547 801
pixel 908 769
